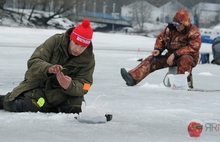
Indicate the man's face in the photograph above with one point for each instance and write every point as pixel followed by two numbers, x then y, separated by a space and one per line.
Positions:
pixel 180 27
pixel 76 49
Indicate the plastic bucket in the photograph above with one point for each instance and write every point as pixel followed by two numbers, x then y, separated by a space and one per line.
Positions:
pixel 171 70
pixel 178 81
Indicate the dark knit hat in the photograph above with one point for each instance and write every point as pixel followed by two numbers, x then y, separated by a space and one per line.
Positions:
pixel 82 34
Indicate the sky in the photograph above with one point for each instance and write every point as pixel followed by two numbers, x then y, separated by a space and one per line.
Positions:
pixel 148 111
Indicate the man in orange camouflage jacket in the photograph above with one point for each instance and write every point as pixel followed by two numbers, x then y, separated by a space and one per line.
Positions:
pixel 182 41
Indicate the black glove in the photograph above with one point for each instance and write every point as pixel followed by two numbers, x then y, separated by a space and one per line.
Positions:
pixel 171 27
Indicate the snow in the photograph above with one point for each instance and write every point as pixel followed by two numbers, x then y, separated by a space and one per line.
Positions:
pixel 148 111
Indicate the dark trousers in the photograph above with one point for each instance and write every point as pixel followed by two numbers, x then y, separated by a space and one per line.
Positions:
pixel 26 102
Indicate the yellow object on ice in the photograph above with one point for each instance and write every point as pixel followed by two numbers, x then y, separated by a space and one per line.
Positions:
pixel 41 102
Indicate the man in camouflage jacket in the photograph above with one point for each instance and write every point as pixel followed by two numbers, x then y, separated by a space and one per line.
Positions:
pixel 182 41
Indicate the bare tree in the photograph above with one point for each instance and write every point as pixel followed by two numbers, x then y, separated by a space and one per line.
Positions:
pixel 2 12
pixel 23 4
pixel 2 3
pixel 2 16
pixel 33 4
pixel 44 4
pixel 196 11
pixel 140 12
pixel 60 7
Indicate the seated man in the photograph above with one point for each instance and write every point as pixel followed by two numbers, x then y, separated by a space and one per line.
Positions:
pixel 216 51
pixel 60 73
pixel 181 39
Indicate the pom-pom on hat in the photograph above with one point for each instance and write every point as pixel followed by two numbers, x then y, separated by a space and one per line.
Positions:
pixel 82 34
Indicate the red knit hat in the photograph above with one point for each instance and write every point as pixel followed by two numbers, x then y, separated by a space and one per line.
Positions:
pixel 82 34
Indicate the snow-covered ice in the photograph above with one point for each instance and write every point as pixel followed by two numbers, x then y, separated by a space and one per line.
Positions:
pixel 148 111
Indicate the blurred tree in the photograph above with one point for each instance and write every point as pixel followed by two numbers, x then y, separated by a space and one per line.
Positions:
pixel 140 13
pixel 70 8
pixel 2 3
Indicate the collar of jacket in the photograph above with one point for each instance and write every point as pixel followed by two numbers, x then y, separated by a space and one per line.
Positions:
pixel 186 29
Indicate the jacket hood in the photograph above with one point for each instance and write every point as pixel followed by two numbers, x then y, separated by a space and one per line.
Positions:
pixel 182 16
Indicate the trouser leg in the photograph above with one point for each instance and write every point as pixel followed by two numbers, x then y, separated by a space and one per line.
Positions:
pixel 71 105
pixel 150 64
pixel 28 102
pixel 25 104
pixel 7 103
pixel 20 104
pixel 185 63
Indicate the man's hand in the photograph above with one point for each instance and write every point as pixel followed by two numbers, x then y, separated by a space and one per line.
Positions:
pixel 155 53
pixel 170 59
pixel 55 69
pixel 63 80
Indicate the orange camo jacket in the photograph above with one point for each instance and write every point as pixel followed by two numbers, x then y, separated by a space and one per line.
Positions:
pixel 186 42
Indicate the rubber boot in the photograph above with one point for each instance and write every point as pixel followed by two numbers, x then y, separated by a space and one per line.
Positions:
pixel 127 77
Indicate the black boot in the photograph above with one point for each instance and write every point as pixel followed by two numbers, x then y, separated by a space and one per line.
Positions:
pixel 127 77
pixel 1 101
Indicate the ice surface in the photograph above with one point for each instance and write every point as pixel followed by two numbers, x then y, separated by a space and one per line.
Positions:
pixel 146 112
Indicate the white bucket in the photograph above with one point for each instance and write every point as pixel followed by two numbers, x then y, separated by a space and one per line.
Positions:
pixel 171 70
pixel 178 81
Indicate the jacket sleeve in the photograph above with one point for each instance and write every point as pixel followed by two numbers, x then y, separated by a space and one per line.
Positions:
pixel 38 64
pixel 160 41
pixel 81 81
